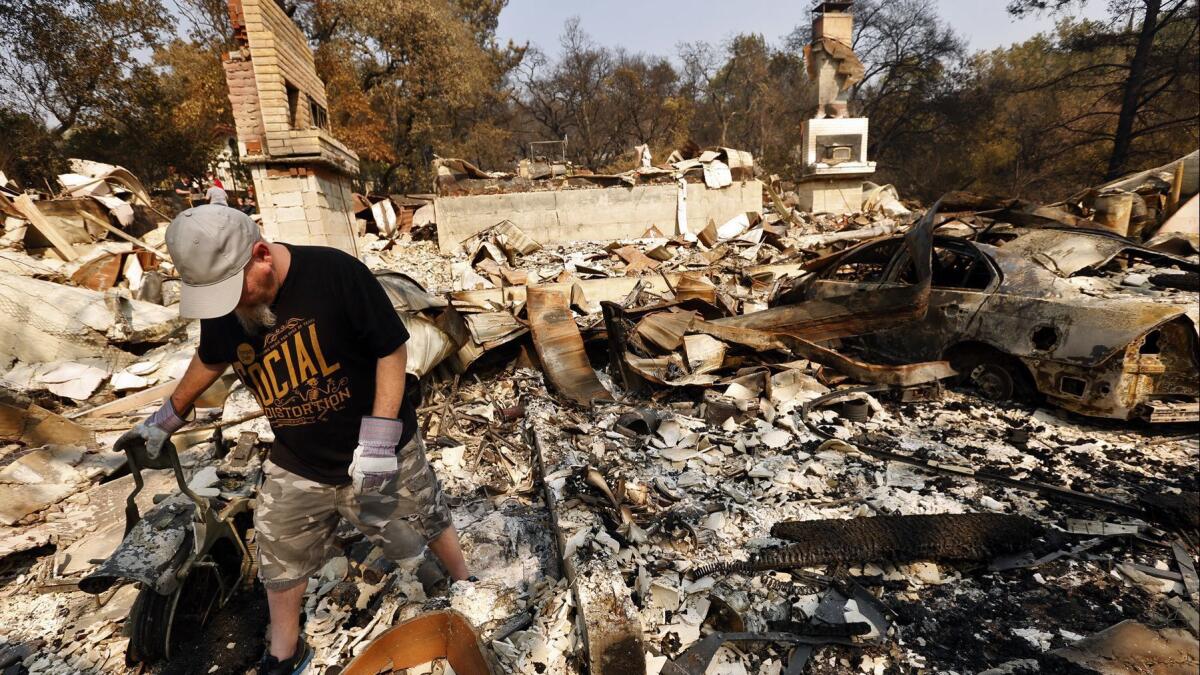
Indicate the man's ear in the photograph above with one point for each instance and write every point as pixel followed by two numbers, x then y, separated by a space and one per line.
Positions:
pixel 260 251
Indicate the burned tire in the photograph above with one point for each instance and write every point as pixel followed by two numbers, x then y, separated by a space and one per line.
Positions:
pixel 160 623
pixel 993 374
pixel 993 381
pixel 1187 281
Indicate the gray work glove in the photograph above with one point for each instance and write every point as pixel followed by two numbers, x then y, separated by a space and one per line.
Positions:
pixel 375 462
pixel 154 431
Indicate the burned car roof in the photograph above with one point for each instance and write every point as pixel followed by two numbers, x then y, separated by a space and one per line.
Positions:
pixel 1067 252
pixel 1087 330
pixel 1090 329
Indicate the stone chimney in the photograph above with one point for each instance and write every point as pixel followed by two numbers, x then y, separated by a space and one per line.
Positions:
pixel 301 172
pixel 834 145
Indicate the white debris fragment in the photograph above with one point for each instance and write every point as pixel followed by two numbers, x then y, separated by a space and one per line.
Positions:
pixel 73 380
pixel 203 478
pixel 654 663
pixel 142 368
pixel 670 432
pixel 991 504
pixel 851 614
pixel 664 596
pixel 126 380
pixel 452 456
pixel 1038 638
pixel 775 438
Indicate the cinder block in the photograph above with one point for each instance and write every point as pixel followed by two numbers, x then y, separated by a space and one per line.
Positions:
pixel 291 213
pixel 836 196
pixel 286 199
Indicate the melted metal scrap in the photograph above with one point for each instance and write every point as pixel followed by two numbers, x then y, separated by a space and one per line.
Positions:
pixel 560 348
pixel 852 313
pixel 1069 252
pixel 152 552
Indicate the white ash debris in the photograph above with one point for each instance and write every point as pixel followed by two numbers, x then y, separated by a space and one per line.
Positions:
pixel 690 493
pixel 723 489
pixel 550 644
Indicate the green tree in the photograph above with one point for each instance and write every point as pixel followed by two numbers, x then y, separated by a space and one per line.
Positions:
pixel 30 154
pixel 1142 74
pixel 174 112
pixel 67 60
pixel 748 96
pixel 408 81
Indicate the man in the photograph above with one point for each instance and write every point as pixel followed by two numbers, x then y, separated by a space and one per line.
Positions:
pixel 216 195
pixel 180 196
pixel 311 332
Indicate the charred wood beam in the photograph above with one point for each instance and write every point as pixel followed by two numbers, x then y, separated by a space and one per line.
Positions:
pixel 617 327
pixel 897 539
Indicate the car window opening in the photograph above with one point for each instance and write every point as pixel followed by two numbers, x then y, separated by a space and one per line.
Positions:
pixel 868 265
pixel 957 269
pixel 1150 343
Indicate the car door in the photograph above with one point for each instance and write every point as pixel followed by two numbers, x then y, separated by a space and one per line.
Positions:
pixel 860 275
pixel 962 279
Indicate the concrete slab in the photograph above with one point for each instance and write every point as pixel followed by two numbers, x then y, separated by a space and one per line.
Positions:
pixel 592 213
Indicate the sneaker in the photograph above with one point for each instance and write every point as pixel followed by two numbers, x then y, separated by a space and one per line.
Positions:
pixel 269 665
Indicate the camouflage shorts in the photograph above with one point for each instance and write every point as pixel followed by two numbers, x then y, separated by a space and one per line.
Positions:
pixel 295 518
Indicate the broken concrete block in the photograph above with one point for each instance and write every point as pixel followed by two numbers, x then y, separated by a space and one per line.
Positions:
pixel 37 480
pixel 1131 647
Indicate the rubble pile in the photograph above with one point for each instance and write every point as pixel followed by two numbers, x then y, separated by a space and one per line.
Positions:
pixel 701 500
pixel 958 439
pixel 715 167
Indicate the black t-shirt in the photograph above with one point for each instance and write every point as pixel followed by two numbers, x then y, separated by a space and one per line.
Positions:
pixel 314 372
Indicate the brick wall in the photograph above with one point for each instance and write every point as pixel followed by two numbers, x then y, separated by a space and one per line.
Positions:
pixel 281 57
pixel 302 203
pixel 278 57
pixel 243 100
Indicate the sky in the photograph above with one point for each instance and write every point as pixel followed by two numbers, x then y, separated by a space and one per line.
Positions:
pixel 656 27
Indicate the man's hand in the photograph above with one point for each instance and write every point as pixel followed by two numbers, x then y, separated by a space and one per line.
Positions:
pixel 374 462
pixel 154 431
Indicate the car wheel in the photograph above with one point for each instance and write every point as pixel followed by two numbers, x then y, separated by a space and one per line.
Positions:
pixel 994 381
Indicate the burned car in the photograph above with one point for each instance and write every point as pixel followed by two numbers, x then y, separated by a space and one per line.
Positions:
pixel 1011 327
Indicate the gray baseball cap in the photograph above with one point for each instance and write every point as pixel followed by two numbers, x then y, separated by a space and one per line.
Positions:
pixel 210 246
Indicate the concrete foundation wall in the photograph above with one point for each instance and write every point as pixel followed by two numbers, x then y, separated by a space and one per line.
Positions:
pixel 831 195
pixel 305 206
pixel 592 213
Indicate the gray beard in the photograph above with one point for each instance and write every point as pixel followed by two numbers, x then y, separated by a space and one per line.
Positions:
pixel 255 320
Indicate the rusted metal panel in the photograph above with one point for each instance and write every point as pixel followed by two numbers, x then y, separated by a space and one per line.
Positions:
pixel 99 274
pixel 905 375
pixel 436 635
pixel 560 348
pixel 855 313
pixel 665 330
